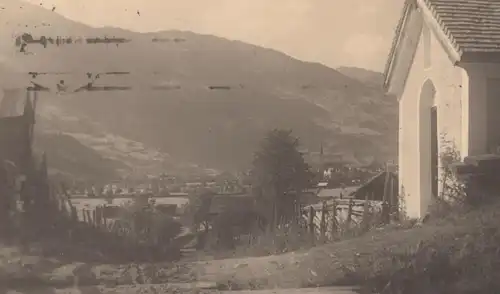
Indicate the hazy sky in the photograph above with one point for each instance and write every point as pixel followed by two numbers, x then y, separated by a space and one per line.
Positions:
pixel 333 32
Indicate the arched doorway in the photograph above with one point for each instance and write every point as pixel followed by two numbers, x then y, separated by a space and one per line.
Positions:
pixel 428 145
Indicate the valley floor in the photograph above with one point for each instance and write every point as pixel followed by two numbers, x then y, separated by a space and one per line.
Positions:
pixel 367 259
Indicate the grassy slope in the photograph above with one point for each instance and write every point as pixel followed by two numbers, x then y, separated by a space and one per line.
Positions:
pixel 69 157
pixel 454 255
pixel 459 252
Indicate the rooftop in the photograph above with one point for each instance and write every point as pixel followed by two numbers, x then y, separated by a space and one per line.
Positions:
pixel 473 26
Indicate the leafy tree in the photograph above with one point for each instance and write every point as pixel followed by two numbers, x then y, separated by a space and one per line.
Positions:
pixel 197 211
pixel 279 175
pixel 197 214
pixel 148 225
pixel 231 224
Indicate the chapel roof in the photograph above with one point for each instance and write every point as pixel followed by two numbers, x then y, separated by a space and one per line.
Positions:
pixel 470 30
pixel 473 26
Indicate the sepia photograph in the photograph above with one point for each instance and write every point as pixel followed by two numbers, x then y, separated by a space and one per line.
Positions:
pixel 249 146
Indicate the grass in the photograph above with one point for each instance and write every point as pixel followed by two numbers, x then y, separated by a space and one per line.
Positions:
pixel 456 254
pixel 19 269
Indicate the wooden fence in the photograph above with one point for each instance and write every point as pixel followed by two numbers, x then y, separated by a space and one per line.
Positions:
pixel 374 203
pixel 102 218
pixel 89 218
pixel 331 220
pixel 99 218
pixel 95 218
pixel 111 235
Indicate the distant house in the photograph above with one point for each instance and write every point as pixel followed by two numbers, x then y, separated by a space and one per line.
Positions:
pixel 444 68
pixel 322 184
pixel 178 194
pixel 336 193
pixel 375 188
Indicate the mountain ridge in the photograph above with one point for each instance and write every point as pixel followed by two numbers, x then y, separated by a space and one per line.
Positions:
pixel 368 77
pixel 194 123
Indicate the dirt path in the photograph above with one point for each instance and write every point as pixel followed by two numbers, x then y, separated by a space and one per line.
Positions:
pixel 252 272
pixel 322 290
pixel 324 265
pixel 173 288
pixel 320 266
pixel 291 270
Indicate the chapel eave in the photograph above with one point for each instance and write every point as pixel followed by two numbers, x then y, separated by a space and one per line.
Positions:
pixel 431 19
pixel 389 67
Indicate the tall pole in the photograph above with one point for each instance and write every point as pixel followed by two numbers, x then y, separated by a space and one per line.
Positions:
pixel 321 159
pixel 35 100
pixel 33 105
pixel 30 128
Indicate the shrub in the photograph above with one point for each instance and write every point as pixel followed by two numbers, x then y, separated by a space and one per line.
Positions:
pixel 453 195
pixel 460 262
pixel 148 226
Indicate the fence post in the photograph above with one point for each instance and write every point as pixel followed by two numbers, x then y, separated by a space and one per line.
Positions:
pixel 95 214
pixel 349 212
pixel 386 184
pixel 394 198
pixel 385 213
pixel 387 191
pixel 94 217
pixel 84 213
pixel 366 210
pixel 312 213
pixel 89 217
pixel 323 222
pixel 74 214
pixel 104 220
pixel 334 219
pixel 102 216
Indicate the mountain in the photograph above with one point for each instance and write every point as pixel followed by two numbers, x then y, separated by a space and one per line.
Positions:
pixel 219 96
pixel 88 165
pixel 368 77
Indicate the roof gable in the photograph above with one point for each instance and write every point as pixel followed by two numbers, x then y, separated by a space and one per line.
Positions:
pixel 403 48
pixel 472 26
pixel 468 30
pixel 395 42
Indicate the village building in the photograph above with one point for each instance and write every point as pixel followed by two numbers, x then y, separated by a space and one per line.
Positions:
pixel 336 193
pixel 444 68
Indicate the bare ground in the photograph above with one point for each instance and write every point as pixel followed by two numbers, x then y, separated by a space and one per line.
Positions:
pixel 320 266
pixel 327 265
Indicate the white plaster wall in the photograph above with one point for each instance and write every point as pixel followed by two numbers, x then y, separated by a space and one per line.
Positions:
pixel 447 80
